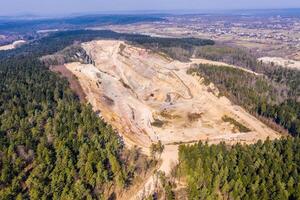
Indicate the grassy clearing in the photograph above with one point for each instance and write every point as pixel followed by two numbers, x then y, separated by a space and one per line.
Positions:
pixel 237 125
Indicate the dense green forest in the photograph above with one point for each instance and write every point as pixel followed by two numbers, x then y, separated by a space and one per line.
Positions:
pixel 265 170
pixel 270 98
pixel 52 147
pixel 230 55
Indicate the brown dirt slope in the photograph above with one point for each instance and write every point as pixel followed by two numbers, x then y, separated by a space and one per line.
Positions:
pixel 73 81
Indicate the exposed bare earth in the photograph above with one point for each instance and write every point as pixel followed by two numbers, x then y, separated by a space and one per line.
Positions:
pixel 13 45
pixel 148 97
pixel 134 88
pixel 216 63
pixel 293 64
pixel 74 84
pixel 47 30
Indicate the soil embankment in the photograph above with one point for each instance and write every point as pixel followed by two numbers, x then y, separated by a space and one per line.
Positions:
pixel 73 81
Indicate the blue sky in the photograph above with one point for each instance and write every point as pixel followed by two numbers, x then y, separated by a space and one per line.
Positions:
pixel 53 7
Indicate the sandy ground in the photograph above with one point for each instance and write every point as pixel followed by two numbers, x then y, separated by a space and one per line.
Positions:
pixel 293 64
pixel 12 45
pixel 148 97
pixel 215 63
pixel 169 160
pixel 74 84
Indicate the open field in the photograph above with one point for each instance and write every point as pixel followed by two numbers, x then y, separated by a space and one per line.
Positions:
pixel 13 45
pixel 293 64
pixel 47 30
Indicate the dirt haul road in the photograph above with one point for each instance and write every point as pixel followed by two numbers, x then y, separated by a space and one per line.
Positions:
pixel 149 97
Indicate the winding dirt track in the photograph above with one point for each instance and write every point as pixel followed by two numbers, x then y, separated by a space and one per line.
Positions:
pixel 147 97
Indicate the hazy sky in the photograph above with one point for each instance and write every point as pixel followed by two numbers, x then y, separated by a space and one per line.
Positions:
pixel 52 7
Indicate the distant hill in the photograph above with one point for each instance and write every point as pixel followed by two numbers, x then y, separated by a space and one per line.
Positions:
pixel 10 24
pixel 289 12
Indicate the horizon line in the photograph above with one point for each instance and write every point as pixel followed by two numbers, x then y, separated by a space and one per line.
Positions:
pixel 140 12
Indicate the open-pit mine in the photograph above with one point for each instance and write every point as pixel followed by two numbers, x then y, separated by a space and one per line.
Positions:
pixel 147 97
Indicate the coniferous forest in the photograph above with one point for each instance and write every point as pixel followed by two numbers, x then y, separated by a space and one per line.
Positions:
pixel 265 170
pixel 52 146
